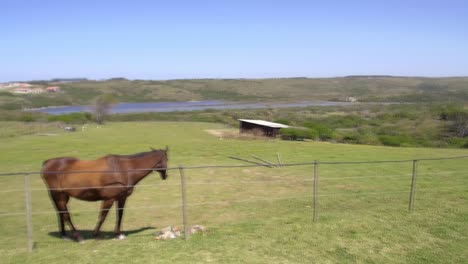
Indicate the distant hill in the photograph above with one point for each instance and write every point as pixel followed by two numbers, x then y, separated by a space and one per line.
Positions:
pixel 69 80
pixel 372 76
pixel 380 88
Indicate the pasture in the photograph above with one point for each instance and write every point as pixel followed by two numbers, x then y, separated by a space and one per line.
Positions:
pixel 253 215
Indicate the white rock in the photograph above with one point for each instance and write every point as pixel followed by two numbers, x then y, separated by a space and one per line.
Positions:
pixel 197 228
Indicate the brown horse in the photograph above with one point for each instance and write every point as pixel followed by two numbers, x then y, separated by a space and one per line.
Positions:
pixel 108 179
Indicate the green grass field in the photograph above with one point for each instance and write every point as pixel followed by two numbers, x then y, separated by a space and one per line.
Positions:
pixel 253 215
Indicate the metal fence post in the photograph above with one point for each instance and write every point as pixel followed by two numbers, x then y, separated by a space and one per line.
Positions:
pixel 27 198
pixel 184 203
pixel 316 176
pixel 413 186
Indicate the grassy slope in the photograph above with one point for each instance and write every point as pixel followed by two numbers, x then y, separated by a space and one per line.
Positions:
pixel 292 89
pixel 363 208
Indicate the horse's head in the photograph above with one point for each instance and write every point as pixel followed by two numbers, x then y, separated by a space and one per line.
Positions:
pixel 161 164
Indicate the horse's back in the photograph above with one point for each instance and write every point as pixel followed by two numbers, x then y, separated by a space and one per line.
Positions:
pixel 74 171
pixel 67 163
pixel 51 167
pixel 57 164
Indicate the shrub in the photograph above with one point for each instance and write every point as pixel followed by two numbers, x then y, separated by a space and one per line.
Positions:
pixel 323 131
pixel 73 118
pixel 283 121
pixel 12 106
pixel 406 114
pixel 350 138
pixel 394 141
pixel 349 121
pixel 298 133
pixel 28 117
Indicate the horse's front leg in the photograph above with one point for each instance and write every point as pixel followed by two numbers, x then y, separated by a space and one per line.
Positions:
pixel 120 210
pixel 105 207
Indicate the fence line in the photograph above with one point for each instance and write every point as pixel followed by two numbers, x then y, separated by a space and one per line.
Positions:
pixel 395 176
pixel 241 166
pixel 314 195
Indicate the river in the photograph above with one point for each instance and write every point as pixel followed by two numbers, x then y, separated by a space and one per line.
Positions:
pixel 186 106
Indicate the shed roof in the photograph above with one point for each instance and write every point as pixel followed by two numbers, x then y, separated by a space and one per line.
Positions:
pixel 264 123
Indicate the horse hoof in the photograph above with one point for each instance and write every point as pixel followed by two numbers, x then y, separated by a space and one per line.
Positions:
pixel 121 237
pixel 78 238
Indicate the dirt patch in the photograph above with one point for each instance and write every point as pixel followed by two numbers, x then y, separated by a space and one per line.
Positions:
pixel 234 134
pixel 216 132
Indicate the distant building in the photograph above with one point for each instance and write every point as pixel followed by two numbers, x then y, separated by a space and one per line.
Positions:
pixel 351 99
pixel 262 127
pixel 37 90
pixel 23 90
pixel 53 89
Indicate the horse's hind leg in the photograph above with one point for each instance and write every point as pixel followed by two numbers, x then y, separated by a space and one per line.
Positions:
pixel 62 202
pixel 55 199
pixel 105 207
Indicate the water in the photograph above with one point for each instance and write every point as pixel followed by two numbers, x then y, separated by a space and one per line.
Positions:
pixel 185 106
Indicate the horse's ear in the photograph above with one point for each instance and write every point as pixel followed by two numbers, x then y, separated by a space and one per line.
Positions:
pixel 152 148
pixel 167 149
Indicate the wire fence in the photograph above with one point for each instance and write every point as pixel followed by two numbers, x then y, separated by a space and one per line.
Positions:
pixel 216 194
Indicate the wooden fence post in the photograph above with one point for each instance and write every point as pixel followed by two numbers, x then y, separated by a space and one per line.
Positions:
pixel 413 186
pixel 29 226
pixel 316 177
pixel 184 203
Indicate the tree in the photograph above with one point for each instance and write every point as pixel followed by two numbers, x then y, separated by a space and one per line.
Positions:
pixel 460 124
pixel 101 107
pixel 457 118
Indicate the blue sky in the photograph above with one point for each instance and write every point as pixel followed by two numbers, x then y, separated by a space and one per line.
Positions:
pixel 231 39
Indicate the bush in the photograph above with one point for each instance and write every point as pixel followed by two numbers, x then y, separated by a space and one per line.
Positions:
pixel 12 106
pixel 283 121
pixel 323 131
pixel 349 121
pixel 368 139
pixel 298 133
pixel 448 112
pixel 73 118
pixel 394 141
pixel 405 114
pixel 28 117
pixel 350 138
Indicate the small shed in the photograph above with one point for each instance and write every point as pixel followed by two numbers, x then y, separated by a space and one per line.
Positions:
pixel 266 128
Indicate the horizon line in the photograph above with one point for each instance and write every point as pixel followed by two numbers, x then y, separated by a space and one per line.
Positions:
pixel 235 78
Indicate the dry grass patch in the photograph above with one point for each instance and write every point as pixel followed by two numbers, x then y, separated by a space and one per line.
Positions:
pixel 234 134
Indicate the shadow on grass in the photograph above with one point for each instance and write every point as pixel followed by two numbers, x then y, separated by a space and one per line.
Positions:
pixel 104 235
